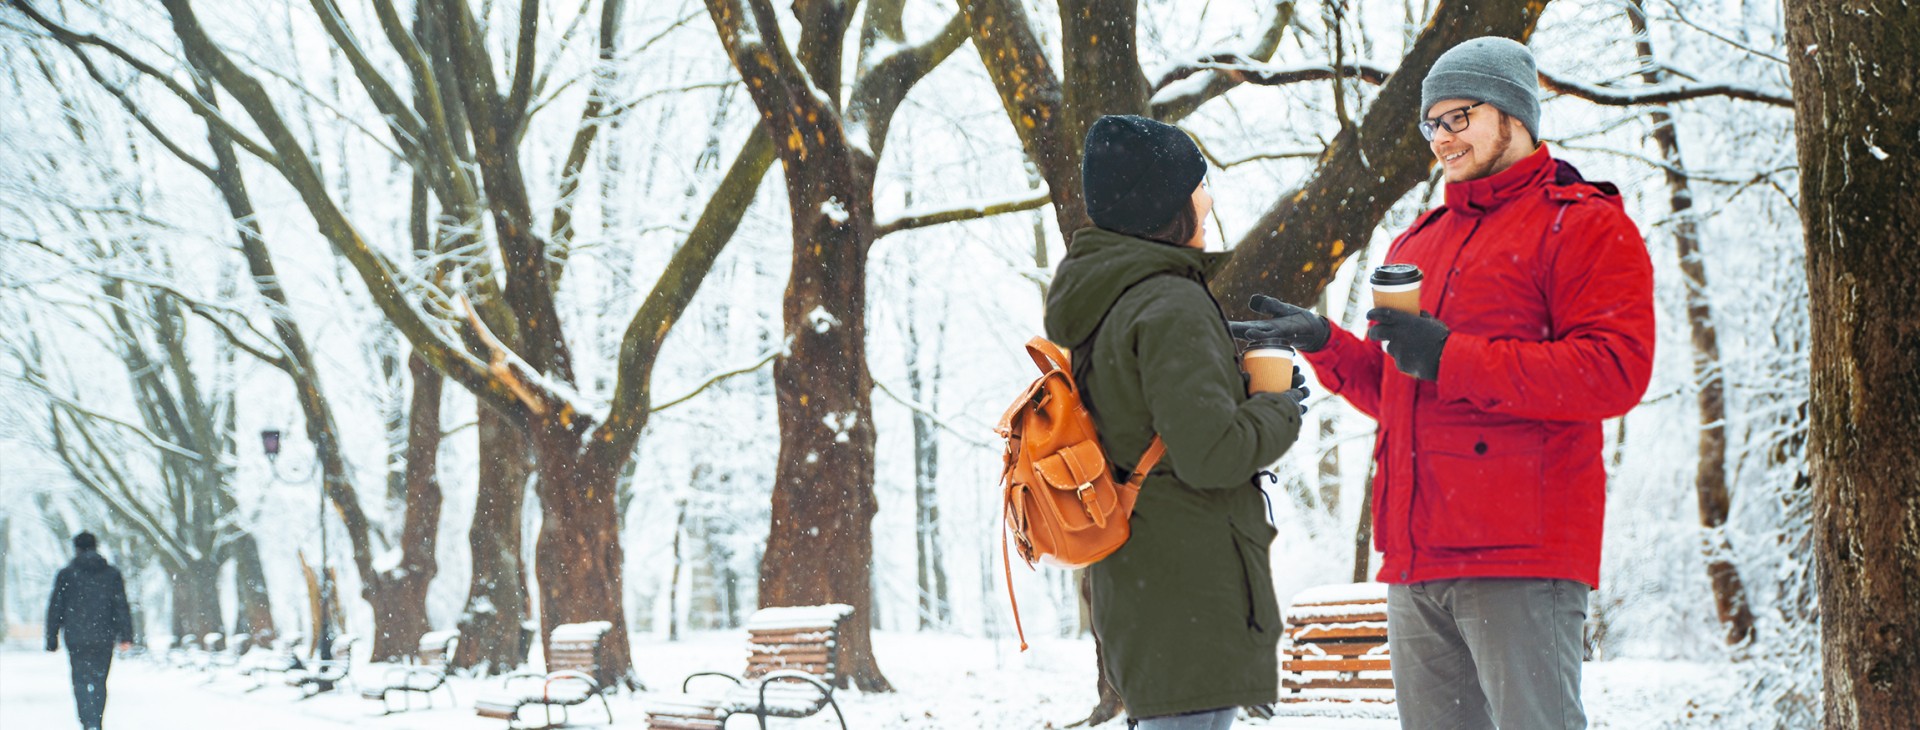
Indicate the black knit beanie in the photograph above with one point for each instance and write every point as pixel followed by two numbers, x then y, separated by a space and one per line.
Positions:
pixel 85 541
pixel 1137 173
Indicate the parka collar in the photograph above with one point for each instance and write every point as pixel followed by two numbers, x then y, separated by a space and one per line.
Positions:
pixel 1479 197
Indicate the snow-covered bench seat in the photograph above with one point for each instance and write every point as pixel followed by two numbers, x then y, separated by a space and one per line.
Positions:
pixel 573 668
pixel 427 673
pixel 281 657
pixel 1335 652
pixel 793 665
pixel 321 675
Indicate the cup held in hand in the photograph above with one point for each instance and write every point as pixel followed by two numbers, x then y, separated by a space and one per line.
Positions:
pixel 1397 286
pixel 1270 367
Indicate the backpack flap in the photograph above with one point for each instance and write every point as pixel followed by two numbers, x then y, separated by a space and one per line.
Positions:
pixel 1075 469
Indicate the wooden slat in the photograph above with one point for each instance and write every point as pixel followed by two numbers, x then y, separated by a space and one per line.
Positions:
pixel 659 722
pixel 1293 619
pixel 1337 683
pixel 815 656
pixel 1335 648
pixel 1337 665
pixel 1321 632
pixel 1321 698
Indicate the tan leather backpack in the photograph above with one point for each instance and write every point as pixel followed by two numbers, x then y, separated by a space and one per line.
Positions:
pixel 1061 502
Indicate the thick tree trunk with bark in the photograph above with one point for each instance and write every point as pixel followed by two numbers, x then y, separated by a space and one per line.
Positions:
pixel 820 547
pixel 399 598
pixel 497 592
pixel 1857 121
pixel 255 617
pixel 1710 475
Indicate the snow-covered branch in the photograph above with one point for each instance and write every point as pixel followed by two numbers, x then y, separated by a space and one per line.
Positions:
pixel 1662 94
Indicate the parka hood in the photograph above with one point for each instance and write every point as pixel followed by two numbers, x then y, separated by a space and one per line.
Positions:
pixel 1100 266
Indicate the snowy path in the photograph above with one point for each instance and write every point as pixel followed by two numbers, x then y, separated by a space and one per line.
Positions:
pixel 944 682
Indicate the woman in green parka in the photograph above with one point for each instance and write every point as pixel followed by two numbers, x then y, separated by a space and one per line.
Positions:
pixel 1185 610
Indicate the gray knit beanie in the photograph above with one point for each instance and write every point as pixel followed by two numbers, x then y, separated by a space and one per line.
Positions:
pixel 1495 70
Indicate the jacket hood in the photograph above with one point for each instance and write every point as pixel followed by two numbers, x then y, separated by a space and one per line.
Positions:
pixel 89 561
pixel 1100 266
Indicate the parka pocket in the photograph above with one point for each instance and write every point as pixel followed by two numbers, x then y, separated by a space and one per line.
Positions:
pixel 1480 488
pixel 1253 542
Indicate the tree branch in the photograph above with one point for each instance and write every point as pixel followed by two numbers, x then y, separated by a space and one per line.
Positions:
pixel 73 40
pixel 523 62
pixel 1032 96
pixel 1662 94
pixel 406 124
pixel 1171 105
pixel 971 211
pixel 717 377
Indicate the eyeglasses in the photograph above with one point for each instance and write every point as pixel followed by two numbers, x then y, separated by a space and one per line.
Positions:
pixel 1454 122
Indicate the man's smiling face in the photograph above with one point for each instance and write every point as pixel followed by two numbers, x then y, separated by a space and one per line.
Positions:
pixel 1486 146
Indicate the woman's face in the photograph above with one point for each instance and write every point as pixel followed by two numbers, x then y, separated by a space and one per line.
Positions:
pixel 1202 206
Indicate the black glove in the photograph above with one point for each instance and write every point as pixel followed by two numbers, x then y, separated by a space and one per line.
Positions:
pixel 1300 329
pixel 1297 395
pixel 1414 342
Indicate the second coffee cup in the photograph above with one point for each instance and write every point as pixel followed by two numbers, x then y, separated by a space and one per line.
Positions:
pixel 1397 286
pixel 1269 367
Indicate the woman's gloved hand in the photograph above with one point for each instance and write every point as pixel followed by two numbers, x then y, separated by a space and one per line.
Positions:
pixel 1300 329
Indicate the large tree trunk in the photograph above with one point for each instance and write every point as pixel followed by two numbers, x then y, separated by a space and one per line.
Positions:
pixel 1710 475
pixel 399 598
pixel 578 554
pixel 1857 120
pixel 497 593
pixel 255 617
pixel 196 599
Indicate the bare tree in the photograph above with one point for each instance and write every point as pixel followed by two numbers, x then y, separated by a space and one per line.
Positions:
pixel 821 546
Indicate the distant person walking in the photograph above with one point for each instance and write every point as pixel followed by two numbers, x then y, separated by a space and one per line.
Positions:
pixel 90 603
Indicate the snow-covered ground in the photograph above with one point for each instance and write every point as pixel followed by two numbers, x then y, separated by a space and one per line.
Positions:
pixel 943 682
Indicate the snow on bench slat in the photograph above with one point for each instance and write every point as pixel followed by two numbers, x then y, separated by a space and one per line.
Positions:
pixel 1316 614
pixel 437 639
pixel 588 632
pixel 797 617
pixel 1341 593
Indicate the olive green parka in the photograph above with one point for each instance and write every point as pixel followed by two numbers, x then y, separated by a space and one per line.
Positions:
pixel 1185 610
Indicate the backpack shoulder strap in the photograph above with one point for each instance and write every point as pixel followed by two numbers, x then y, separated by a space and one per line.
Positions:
pixel 1148 460
pixel 1048 356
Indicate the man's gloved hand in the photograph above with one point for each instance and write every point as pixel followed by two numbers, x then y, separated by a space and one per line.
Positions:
pixel 53 644
pixel 1301 329
pixel 1413 342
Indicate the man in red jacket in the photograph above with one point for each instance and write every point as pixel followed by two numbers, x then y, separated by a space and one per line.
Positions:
pixel 1537 323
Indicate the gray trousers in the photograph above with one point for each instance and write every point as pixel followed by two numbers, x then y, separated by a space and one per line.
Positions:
pixel 1220 719
pixel 1484 653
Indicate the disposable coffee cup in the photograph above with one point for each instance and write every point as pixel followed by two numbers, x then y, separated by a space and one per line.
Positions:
pixel 1397 286
pixel 1269 367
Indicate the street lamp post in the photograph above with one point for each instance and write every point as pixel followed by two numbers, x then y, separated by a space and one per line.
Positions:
pixel 270 443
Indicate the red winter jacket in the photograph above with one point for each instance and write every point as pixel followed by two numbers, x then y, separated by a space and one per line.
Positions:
pixel 1495 470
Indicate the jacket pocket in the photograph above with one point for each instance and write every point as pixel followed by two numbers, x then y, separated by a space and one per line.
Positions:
pixel 1479 488
pixel 1253 543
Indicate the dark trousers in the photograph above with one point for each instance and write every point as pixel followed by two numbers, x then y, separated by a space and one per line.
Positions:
pixel 90 664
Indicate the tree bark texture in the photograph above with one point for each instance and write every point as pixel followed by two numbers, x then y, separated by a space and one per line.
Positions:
pixel 1857 124
pixel 399 598
pixel 490 638
pixel 255 617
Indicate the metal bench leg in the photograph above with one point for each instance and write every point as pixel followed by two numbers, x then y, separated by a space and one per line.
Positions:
pixel 836 711
pixel 604 703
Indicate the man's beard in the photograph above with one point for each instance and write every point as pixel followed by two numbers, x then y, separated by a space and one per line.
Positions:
pixel 1501 141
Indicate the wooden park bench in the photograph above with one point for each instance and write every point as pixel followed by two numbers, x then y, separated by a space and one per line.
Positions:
pixel 320 675
pixel 427 673
pixel 574 676
pixel 793 663
pixel 1334 653
pixel 282 657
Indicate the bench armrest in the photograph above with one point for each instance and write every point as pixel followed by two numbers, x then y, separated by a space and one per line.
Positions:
pixel 406 673
pixel 689 680
pixel 569 675
pixel 794 676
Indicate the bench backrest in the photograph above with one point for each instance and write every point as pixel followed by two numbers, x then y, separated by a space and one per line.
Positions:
pixel 436 648
pixel 1336 639
pixel 800 638
pixel 580 648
